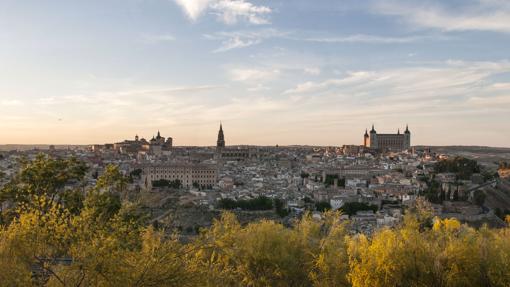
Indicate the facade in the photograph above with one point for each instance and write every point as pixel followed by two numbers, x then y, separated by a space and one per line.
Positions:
pixel 238 153
pixel 355 171
pixel 187 173
pixel 388 142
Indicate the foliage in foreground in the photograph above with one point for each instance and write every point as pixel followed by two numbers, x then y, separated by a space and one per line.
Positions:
pixel 107 243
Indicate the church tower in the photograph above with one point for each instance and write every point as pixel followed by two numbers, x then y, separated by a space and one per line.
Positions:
pixel 221 138
pixel 365 138
pixel 373 138
pixel 407 138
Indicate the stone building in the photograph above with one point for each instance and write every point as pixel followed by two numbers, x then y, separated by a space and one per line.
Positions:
pixel 186 173
pixel 157 145
pixel 387 142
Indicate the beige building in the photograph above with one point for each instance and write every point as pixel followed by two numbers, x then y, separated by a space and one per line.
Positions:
pixel 186 173
pixel 388 142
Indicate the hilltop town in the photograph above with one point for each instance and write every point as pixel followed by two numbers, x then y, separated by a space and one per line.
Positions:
pixel 185 188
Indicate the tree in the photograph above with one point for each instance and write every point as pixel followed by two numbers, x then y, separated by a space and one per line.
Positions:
pixel 351 208
pixel 330 179
pixel 304 175
pixel 112 180
pixel 322 206
pixel 280 207
pixel 258 203
pixel 167 183
pixel 55 179
pixel 136 173
pixel 461 166
pixel 479 197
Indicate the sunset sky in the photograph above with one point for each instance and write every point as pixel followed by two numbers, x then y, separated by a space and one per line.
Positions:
pixel 273 72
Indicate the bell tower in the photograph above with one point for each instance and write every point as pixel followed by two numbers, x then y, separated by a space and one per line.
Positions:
pixel 373 138
pixel 407 138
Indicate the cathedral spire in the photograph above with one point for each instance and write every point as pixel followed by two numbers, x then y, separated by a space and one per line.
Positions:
pixel 221 137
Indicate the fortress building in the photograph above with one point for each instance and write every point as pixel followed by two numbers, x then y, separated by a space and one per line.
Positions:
pixel 387 142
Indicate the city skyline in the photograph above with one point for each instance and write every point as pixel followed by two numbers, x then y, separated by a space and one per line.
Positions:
pixel 96 71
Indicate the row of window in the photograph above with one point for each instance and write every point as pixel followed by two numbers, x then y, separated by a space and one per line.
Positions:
pixel 181 176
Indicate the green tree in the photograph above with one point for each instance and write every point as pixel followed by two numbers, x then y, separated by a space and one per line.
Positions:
pixel 280 209
pixel 351 208
pixel 57 180
pixel 322 206
pixel 479 197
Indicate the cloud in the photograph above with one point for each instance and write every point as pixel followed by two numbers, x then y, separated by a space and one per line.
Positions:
pixel 367 39
pixel 230 11
pixel 253 75
pixel 475 15
pixel 193 8
pixel 227 11
pixel 246 38
pixel 242 39
pixel 154 39
pixel 352 79
pixel 314 71
pixel 451 81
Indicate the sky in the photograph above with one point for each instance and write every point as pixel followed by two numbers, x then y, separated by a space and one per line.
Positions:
pixel 273 72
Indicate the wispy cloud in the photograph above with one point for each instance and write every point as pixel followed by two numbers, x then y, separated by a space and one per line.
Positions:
pixel 227 11
pixel 253 75
pixel 454 81
pixel 368 39
pixel 476 15
pixel 154 39
pixel 242 39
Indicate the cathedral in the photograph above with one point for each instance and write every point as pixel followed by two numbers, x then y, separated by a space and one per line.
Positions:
pixel 387 142
pixel 220 143
pixel 234 153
